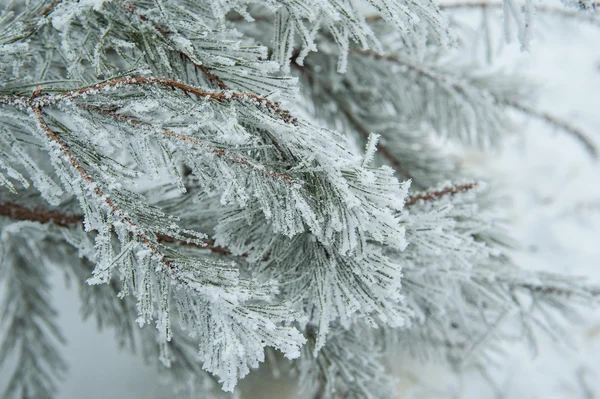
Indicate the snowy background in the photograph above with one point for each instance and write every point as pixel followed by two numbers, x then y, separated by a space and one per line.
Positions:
pixel 554 213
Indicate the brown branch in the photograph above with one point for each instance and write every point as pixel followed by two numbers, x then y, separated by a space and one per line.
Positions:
pixel 209 244
pixel 50 7
pixel 578 134
pixel 429 196
pixel 222 97
pixel 40 215
pixel 47 216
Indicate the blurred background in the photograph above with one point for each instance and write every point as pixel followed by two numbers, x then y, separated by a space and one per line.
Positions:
pixel 554 212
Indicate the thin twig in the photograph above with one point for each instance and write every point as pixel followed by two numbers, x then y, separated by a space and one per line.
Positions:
pixel 50 7
pixel 40 215
pixel 209 244
pixel 429 196
pixel 223 97
pixel 46 216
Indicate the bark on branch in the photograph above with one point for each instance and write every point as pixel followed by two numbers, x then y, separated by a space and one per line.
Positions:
pixel 429 196
pixel 45 216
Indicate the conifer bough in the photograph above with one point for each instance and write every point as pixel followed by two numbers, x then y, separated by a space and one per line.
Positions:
pixel 190 178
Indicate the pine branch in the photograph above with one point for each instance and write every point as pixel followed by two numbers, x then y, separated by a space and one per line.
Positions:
pixel 50 99
pixel 224 97
pixel 36 23
pixel 376 188
pixel 219 152
pixel 459 88
pixel 211 76
pixel 305 70
pixel 114 209
pixel 31 337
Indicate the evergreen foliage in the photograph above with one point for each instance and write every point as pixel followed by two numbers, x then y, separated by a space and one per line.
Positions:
pixel 233 198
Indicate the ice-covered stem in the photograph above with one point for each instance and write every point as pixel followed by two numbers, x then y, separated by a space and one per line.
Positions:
pixel 435 195
pixel 44 216
pixel 224 97
pixel 39 215
pixel 577 133
pixel 49 99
